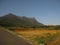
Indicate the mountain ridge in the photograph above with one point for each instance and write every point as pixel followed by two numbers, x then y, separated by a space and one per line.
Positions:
pixel 19 21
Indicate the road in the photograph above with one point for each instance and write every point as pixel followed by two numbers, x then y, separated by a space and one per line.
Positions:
pixel 7 38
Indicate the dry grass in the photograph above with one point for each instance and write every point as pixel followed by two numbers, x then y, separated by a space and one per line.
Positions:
pixel 32 34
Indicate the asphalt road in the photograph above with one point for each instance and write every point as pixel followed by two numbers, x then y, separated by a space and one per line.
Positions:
pixel 7 38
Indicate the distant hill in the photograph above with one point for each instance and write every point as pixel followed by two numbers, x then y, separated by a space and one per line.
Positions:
pixel 11 20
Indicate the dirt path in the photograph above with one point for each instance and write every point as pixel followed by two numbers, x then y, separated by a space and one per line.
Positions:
pixel 7 38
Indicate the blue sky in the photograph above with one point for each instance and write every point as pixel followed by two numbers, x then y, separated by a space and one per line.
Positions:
pixel 45 11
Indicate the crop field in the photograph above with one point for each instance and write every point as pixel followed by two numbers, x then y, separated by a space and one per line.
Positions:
pixel 41 37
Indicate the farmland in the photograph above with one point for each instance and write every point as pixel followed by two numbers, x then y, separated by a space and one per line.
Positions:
pixel 46 37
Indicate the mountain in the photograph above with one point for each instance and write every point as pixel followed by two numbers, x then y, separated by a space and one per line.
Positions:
pixel 11 20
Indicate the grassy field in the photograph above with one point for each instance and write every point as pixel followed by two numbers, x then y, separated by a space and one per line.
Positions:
pixel 39 37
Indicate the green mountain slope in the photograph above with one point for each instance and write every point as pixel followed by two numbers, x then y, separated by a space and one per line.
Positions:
pixel 11 20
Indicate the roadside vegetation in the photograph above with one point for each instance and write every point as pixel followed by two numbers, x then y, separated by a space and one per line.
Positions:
pixel 40 35
pixel 46 37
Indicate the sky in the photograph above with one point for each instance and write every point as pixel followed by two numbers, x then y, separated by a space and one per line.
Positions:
pixel 45 11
